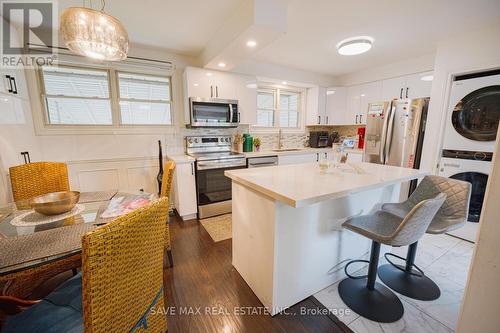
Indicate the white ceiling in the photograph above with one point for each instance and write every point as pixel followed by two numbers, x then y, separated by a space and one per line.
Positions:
pixel 184 26
pixel 402 29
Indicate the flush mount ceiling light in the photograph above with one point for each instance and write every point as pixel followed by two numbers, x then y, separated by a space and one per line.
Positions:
pixel 330 92
pixel 355 45
pixel 251 43
pixel 427 78
pixel 284 83
pixel 93 33
pixel 221 64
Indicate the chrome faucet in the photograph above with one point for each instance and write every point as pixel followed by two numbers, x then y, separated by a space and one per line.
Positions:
pixel 280 139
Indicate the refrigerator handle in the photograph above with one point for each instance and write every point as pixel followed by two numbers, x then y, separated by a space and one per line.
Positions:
pixel 384 133
pixel 388 139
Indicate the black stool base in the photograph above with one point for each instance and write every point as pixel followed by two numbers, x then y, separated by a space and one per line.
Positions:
pixel 380 305
pixel 415 286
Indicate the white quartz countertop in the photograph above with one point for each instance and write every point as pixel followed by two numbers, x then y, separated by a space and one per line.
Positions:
pixel 299 151
pixel 181 159
pixel 300 185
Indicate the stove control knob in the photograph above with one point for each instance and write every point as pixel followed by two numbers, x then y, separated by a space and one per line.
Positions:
pixel 190 140
pixel 221 139
pixel 196 140
pixel 227 139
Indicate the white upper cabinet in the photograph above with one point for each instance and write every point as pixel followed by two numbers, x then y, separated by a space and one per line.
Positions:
pixel 204 83
pixel 416 87
pixel 353 105
pixel 316 106
pixel 246 92
pixel 393 88
pixel 336 105
pixel 410 86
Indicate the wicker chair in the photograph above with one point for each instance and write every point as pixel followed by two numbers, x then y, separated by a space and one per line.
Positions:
pixel 166 187
pixel 121 285
pixel 33 179
pixel 28 181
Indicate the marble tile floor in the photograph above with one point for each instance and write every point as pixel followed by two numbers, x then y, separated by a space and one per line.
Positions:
pixel 446 260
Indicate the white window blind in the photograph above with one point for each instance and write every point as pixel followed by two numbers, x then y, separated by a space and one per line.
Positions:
pixel 289 109
pixel 144 99
pixel 77 96
pixel 265 108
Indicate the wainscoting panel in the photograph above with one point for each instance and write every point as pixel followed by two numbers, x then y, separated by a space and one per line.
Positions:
pixel 143 178
pixel 98 180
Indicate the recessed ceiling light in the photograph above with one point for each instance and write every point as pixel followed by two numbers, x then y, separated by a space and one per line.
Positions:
pixel 284 82
pixel 427 78
pixel 355 45
pixel 252 85
pixel 195 84
pixel 330 92
pixel 363 95
pixel 221 64
pixel 209 74
pixel 251 43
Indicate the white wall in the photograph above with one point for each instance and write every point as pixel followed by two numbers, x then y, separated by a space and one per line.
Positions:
pixel 479 311
pixel 401 68
pixel 471 51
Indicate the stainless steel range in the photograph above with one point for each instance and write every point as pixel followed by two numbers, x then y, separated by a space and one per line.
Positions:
pixel 213 156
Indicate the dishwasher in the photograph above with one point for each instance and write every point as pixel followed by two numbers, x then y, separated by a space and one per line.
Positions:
pixel 258 162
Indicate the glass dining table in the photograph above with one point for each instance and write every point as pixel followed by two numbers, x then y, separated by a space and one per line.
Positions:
pixel 27 247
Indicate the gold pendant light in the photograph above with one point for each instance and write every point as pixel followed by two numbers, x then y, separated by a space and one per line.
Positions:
pixel 94 34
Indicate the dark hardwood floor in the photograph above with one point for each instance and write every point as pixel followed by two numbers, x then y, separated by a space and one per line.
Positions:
pixel 214 298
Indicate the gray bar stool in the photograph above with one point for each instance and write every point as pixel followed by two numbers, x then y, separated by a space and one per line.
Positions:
pixel 452 215
pixel 363 294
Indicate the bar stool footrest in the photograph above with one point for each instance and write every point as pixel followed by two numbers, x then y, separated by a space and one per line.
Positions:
pixel 403 269
pixel 353 276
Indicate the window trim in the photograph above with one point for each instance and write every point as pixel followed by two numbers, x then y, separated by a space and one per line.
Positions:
pixel 301 111
pixel 36 90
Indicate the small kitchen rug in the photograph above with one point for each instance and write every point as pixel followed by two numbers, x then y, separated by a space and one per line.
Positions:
pixel 218 227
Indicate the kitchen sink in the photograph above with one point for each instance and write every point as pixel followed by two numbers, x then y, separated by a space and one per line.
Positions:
pixel 288 149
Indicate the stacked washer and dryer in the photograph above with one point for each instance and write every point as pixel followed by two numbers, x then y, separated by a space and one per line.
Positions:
pixel 469 138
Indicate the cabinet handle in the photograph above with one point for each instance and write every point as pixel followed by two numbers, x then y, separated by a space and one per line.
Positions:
pixel 211 92
pixel 217 91
pixel 407 92
pixel 360 119
pixel 319 120
pixel 326 120
pixel 13 85
pixel 401 93
pixel 317 157
pixel 192 169
pixel 239 116
pixel 326 156
pixel 10 83
pixel 356 119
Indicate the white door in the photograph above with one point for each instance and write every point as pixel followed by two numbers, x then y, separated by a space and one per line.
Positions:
pixel 418 85
pixel 353 105
pixel 246 92
pixel 336 105
pixel 185 189
pixel 223 85
pixel 369 93
pixel 199 83
pixel 393 88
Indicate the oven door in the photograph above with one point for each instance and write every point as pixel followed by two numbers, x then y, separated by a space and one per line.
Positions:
pixel 213 188
pixel 214 113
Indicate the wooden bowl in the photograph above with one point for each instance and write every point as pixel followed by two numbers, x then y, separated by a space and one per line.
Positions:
pixel 55 203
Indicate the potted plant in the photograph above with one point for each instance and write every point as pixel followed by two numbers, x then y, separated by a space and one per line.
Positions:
pixel 238 142
pixel 257 142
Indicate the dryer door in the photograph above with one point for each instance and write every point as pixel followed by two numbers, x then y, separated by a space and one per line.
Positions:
pixel 476 116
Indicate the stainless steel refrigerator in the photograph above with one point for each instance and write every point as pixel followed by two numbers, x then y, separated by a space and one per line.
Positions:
pixel 395 133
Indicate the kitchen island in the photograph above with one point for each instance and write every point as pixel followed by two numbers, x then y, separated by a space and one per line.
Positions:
pixel 287 238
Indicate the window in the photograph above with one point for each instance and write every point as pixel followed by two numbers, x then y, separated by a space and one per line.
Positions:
pixel 282 114
pixel 144 99
pixel 84 96
pixel 75 96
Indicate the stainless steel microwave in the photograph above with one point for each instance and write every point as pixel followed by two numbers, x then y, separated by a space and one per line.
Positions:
pixel 213 112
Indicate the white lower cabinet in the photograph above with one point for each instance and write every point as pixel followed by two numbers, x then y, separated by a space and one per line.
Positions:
pixel 298 158
pixel 185 190
pixel 355 157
